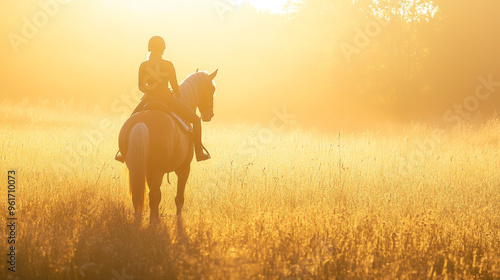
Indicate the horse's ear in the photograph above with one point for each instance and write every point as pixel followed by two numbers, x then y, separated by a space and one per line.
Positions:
pixel 197 70
pixel 212 76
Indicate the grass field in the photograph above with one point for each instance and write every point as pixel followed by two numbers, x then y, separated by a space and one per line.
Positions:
pixel 408 203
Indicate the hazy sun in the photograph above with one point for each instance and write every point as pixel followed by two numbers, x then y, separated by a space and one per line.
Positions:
pixel 273 6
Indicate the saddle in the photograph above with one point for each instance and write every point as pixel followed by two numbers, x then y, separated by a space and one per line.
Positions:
pixel 157 106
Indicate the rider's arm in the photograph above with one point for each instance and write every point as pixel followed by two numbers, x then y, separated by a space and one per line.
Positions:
pixel 142 80
pixel 173 81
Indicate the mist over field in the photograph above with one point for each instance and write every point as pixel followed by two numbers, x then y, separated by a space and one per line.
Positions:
pixel 336 64
pixel 414 203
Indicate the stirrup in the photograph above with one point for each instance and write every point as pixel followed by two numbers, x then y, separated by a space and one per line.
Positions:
pixel 203 156
pixel 119 157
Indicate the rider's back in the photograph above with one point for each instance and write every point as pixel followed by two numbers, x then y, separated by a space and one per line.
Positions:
pixel 155 75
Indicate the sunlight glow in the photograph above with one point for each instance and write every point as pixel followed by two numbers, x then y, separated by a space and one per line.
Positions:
pixel 272 6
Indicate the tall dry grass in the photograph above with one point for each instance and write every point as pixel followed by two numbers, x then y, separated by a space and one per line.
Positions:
pixel 407 203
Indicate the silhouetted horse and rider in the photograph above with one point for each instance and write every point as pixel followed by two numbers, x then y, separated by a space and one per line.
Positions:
pixel 156 139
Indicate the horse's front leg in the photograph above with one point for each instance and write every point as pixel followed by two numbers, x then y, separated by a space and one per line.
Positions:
pixel 182 175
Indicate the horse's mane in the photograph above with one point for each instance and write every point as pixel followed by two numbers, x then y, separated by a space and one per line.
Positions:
pixel 192 86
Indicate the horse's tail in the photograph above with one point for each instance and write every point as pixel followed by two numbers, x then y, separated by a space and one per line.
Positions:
pixel 138 145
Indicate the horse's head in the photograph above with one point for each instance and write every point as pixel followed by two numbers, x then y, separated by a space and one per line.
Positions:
pixel 206 97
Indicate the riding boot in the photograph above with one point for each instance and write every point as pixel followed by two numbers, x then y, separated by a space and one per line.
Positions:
pixel 198 147
pixel 119 157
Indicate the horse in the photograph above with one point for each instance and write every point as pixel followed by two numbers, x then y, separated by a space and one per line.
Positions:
pixel 153 143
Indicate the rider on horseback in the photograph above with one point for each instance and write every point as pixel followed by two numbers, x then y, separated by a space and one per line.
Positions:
pixel 154 76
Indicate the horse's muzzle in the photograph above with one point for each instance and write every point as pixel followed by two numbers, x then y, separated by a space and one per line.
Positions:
pixel 206 118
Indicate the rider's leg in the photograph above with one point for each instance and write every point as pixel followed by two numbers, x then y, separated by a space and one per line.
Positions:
pixel 187 114
pixel 199 149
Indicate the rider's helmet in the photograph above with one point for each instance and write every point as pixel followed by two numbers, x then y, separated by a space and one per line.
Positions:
pixel 156 44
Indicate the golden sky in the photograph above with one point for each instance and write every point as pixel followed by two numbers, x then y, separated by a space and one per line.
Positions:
pixel 328 61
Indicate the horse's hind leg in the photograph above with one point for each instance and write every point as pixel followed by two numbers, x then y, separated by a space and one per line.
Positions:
pixel 154 183
pixel 182 175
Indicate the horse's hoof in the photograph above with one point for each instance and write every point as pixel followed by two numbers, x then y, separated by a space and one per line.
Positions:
pixel 154 219
pixel 138 218
pixel 154 222
pixel 179 209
